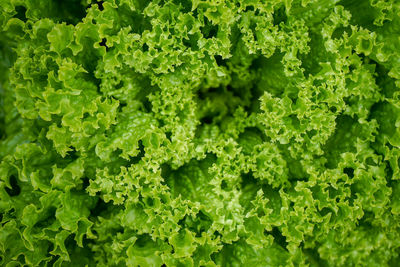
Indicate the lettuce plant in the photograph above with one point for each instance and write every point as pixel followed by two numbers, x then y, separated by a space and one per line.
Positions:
pixel 199 133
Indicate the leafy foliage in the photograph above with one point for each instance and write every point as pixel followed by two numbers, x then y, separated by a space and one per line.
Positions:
pixel 199 133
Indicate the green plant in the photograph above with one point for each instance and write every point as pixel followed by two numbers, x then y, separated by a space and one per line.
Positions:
pixel 199 133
